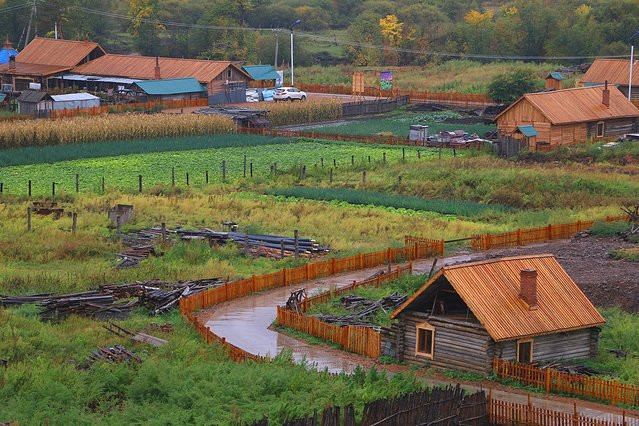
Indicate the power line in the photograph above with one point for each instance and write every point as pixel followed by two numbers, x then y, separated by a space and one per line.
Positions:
pixel 316 37
pixel 15 7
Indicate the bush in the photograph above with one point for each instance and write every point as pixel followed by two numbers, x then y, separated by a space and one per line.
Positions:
pixel 608 229
pixel 508 87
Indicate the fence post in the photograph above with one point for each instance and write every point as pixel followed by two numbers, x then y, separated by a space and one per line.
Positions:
pixel 244 165
pixel 330 176
pixel 139 183
pixel 29 187
pixel 28 219
pixel 172 176
pixel 547 381
pixel 575 416
pixel 361 261
pixel 363 178
pixel 103 184
pixel 77 182
pixel 187 178
pixel 223 170
pixel 74 223
pixel 297 245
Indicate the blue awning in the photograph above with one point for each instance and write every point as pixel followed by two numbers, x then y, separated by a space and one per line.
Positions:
pixel 528 131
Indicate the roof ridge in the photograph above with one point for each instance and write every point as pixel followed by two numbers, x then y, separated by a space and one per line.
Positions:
pixel 163 57
pixel 568 89
pixel 497 260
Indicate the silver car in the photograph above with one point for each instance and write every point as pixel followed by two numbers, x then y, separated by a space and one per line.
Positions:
pixel 289 94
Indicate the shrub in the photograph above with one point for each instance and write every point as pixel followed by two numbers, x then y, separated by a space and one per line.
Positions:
pixel 608 229
pixel 508 87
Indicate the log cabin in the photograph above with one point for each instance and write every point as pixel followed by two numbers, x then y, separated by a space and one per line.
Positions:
pixel 616 72
pixel 524 309
pixel 569 116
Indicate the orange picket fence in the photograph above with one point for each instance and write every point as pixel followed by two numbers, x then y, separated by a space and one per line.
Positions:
pixel 355 342
pixel 367 139
pixel 555 381
pixel 511 413
pixel 458 99
pixel 360 340
pixel 138 106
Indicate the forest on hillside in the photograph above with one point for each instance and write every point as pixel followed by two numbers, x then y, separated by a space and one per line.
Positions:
pixel 363 33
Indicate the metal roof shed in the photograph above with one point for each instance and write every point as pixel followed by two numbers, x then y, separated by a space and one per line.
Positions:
pixel 75 100
pixel 170 86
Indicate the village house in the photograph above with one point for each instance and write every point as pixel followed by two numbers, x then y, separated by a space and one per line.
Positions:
pixel 263 76
pixel 568 117
pixel 45 58
pixel 616 72
pixel 524 309
pixel 168 89
pixel 219 77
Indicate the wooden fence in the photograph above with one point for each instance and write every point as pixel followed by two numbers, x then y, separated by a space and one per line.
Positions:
pixel 367 139
pixel 457 99
pixel 138 106
pixel 354 342
pixel 555 381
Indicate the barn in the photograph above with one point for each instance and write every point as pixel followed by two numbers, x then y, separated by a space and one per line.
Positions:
pixel 568 116
pixel 524 309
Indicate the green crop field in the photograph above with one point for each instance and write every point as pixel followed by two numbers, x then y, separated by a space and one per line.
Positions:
pixel 399 124
pixel 122 171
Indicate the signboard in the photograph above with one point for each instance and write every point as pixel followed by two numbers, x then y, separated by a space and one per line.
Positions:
pixel 386 80
pixel 358 83
pixel 280 79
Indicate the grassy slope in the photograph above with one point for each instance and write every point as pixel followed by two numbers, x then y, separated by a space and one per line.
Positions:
pixel 463 76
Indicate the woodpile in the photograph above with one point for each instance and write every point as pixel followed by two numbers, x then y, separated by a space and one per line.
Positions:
pixel 112 355
pixel 100 307
pixel 364 309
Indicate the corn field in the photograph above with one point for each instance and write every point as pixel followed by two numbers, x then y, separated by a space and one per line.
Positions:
pixel 281 114
pixel 109 127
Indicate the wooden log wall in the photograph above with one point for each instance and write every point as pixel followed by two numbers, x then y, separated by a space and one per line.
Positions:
pixel 569 345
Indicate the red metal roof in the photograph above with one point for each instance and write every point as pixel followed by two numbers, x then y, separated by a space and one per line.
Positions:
pixel 577 105
pixel 490 289
pixel 616 71
pixel 143 67
pixel 63 53
pixel 35 70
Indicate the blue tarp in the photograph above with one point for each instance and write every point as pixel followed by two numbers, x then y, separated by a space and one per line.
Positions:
pixel 6 53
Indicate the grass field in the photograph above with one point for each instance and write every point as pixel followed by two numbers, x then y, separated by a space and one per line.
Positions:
pixel 464 76
pixel 398 123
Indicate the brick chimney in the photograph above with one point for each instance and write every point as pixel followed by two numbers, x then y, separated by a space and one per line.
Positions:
pixel 12 62
pixel 528 287
pixel 157 68
pixel 606 95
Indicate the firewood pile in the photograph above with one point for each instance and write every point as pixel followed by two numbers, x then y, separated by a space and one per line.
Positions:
pixel 114 301
pixel 112 355
pixel 365 309
pixel 572 369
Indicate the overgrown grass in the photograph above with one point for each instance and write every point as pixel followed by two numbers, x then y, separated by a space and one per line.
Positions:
pixel 352 196
pixel 186 381
pixel 624 153
pixel 608 229
pixel 630 254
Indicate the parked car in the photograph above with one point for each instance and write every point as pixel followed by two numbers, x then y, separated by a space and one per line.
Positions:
pixel 289 94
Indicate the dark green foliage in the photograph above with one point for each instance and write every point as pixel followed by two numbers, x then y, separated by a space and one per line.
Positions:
pixel 507 88
pixel 353 196
pixel 608 229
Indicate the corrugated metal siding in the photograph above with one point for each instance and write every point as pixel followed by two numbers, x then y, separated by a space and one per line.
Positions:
pixel 171 86
pixel 491 291
pixel 616 71
pixel 143 67
pixel 48 51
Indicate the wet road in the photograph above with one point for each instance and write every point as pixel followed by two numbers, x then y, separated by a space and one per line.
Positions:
pixel 245 322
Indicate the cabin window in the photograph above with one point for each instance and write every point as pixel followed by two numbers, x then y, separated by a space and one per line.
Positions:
pixel 600 129
pixel 228 73
pixel 525 351
pixel 425 340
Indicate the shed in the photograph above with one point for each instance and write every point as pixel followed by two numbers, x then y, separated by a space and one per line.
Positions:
pixel 525 309
pixel 263 75
pixel 75 100
pixel 554 81
pixel 45 58
pixel 615 72
pixel 34 102
pixel 570 116
pixel 169 89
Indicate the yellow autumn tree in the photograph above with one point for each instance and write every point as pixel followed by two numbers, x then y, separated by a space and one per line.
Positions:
pixel 392 30
pixel 475 17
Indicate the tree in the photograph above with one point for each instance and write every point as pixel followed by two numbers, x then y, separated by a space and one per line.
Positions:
pixel 508 87
pixel 145 34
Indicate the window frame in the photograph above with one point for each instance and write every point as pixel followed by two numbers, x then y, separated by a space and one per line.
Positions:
pixel 530 354
pixel 603 129
pixel 428 328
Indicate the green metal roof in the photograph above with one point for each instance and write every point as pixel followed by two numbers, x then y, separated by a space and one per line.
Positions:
pixel 261 72
pixel 528 131
pixel 2 96
pixel 555 75
pixel 170 86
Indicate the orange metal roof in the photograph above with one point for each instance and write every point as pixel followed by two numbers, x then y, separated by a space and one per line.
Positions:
pixel 48 51
pixel 616 71
pixel 143 67
pixel 32 69
pixel 581 104
pixel 490 289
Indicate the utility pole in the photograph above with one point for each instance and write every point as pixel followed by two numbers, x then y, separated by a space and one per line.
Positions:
pixel 632 60
pixel 292 66
pixel 277 46
pixel 33 11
